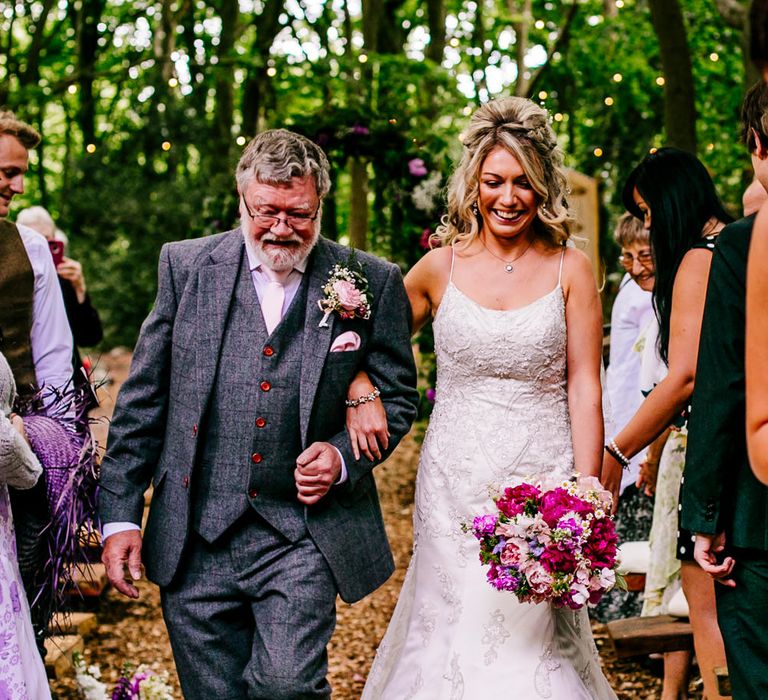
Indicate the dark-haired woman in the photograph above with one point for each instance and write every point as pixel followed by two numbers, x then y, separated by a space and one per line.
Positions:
pixel 672 192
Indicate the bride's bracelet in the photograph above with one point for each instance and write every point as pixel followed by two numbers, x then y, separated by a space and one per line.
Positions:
pixel 365 398
pixel 613 449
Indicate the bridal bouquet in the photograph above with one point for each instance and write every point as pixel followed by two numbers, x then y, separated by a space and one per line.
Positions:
pixel 555 544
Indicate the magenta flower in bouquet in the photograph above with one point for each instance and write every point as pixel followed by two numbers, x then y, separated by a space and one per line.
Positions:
pixel 551 543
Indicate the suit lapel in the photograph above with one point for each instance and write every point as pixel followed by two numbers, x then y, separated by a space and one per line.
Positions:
pixel 317 340
pixel 217 278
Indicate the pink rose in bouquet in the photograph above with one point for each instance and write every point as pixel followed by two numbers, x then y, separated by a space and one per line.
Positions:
pixel 550 544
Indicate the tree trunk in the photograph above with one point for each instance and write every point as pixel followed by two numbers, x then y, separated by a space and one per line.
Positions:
pixel 88 48
pixel 257 84
pixel 521 24
pixel 223 116
pixel 436 19
pixel 358 204
pixel 679 104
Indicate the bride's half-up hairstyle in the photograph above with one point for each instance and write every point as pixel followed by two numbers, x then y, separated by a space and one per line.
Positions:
pixel 521 127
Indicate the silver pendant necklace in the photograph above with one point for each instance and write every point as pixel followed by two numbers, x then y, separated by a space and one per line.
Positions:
pixel 508 266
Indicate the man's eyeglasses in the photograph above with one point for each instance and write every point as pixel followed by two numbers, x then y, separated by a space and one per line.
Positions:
pixel 644 257
pixel 294 221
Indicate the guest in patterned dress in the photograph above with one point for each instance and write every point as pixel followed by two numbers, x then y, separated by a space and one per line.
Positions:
pixel 672 192
pixel 22 675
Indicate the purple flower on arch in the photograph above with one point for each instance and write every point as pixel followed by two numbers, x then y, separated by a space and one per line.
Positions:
pixel 417 167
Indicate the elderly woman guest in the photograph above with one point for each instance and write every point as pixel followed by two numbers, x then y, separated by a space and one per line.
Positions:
pixel 632 311
pixel 22 674
pixel 672 192
pixel 518 333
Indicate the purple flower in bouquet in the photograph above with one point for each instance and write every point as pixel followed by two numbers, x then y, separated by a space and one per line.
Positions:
pixel 430 394
pixel 484 526
pixel 417 167
pixel 536 547
pixel 503 579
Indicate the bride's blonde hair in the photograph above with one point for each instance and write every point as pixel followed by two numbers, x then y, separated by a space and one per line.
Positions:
pixel 521 127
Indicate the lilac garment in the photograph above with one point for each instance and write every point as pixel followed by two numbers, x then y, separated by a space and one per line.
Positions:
pixel 631 311
pixel 51 336
pixel 22 674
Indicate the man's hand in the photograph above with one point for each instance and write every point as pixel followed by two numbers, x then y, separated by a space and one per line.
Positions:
pixel 706 552
pixel 317 469
pixel 120 549
pixel 610 478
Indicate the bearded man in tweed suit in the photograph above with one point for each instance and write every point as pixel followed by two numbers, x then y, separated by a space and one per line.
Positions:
pixel 234 410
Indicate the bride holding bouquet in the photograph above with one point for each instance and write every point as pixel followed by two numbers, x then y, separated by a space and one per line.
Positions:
pixel 518 332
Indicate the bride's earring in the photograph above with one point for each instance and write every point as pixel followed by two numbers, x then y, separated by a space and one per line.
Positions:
pixel 475 210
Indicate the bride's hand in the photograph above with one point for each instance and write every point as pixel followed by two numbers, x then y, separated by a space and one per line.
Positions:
pixel 367 422
pixel 610 477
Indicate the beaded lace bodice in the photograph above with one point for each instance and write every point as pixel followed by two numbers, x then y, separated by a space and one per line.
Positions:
pixel 501 389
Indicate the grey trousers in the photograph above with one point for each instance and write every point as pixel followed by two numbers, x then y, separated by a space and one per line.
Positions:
pixel 250 616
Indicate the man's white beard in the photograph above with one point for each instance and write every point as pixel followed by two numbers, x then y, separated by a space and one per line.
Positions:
pixel 284 259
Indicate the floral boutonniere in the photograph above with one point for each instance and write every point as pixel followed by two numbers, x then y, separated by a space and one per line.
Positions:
pixel 346 292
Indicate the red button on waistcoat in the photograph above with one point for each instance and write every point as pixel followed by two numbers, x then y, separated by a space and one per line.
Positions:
pixel 185 482
pixel 266 386
pixel 253 493
pixel 261 422
pixel 269 351
pixel 256 458
pixel 194 429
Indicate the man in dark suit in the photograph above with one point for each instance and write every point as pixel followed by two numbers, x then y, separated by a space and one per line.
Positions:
pixel 722 501
pixel 234 410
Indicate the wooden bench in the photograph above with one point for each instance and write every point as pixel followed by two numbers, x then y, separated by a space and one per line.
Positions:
pixel 638 636
pixel 58 654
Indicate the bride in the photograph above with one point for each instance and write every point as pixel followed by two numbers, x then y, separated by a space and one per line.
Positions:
pixel 518 331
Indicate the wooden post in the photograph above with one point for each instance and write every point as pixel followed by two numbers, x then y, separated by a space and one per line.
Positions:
pixel 358 205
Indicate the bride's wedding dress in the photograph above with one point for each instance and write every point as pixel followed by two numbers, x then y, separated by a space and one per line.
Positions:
pixel 500 417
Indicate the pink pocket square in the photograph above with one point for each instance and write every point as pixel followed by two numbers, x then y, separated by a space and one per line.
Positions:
pixel 346 342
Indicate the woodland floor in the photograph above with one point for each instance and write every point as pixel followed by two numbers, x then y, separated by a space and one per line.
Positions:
pixel 134 630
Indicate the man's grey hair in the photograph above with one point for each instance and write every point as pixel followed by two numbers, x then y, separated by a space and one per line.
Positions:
pixel 277 156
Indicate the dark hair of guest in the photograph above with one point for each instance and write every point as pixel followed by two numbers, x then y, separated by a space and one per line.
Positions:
pixel 681 196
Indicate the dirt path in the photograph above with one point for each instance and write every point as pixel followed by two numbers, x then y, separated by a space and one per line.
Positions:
pixel 134 631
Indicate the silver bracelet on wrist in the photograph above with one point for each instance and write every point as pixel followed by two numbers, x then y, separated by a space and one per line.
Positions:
pixel 365 398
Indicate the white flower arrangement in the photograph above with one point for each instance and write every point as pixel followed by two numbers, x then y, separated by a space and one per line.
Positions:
pixel 426 195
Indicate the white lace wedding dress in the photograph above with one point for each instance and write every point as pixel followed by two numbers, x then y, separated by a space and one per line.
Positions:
pixel 500 416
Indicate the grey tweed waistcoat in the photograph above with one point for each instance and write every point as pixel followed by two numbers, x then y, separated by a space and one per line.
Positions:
pixel 251 435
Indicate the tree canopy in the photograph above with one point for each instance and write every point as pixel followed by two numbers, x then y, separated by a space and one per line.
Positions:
pixel 144 106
